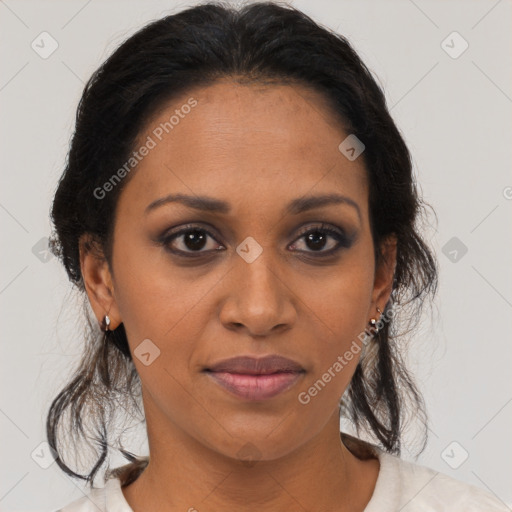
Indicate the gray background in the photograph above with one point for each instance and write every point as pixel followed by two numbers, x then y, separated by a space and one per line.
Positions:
pixel 455 116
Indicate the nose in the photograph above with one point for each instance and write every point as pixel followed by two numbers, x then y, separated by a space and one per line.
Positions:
pixel 258 299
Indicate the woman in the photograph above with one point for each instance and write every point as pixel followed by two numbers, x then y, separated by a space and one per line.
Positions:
pixel 239 211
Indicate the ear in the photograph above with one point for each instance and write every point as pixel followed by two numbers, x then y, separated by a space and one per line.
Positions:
pixel 384 274
pixel 98 280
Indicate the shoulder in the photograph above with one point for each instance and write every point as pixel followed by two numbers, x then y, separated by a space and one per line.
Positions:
pixel 100 499
pixel 412 487
pixel 93 501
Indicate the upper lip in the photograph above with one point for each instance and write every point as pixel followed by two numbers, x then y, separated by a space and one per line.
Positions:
pixel 256 366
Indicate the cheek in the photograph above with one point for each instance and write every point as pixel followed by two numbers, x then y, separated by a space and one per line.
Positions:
pixel 339 325
pixel 148 292
pixel 337 307
pixel 161 303
pixel 341 298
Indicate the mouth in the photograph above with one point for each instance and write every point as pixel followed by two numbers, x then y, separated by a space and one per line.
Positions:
pixel 256 387
pixel 253 379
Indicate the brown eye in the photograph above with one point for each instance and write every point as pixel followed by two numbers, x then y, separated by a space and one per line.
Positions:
pixel 195 241
pixel 190 240
pixel 317 239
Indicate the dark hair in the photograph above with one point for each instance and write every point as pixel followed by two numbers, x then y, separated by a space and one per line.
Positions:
pixel 260 42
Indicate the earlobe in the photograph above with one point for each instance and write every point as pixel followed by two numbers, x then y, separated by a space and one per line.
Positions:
pixel 98 281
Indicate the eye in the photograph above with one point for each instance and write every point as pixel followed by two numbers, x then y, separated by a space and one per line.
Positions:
pixel 317 239
pixel 192 241
pixel 189 240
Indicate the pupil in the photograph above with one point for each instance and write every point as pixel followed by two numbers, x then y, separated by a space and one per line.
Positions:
pixel 194 239
pixel 315 237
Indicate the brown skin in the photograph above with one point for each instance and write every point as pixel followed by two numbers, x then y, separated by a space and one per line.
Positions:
pixel 258 148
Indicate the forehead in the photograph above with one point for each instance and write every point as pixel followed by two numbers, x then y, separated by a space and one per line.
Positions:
pixel 246 144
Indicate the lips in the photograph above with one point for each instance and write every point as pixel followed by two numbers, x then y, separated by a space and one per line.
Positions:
pixel 252 378
pixel 256 366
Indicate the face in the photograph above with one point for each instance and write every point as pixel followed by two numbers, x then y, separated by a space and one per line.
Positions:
pixel 254 269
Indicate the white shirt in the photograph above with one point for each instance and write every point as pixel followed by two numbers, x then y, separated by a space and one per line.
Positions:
pixel 401 487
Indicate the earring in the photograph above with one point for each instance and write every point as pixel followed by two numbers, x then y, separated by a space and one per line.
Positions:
pixel 373 322
pixel 105 324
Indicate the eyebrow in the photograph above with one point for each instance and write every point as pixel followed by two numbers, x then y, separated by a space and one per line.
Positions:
pixel 210 204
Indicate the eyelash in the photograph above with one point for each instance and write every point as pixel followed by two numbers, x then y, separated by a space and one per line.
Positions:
pixel 338 235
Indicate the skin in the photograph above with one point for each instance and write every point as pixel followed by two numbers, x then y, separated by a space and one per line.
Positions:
pixel 258 148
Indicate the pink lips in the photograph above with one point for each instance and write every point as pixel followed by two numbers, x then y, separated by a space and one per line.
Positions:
pixel 256 378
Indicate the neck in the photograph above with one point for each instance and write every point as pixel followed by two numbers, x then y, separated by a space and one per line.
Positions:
pixel 322 474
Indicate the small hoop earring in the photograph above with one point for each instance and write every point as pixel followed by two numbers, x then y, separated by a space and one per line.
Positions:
pixel 105 324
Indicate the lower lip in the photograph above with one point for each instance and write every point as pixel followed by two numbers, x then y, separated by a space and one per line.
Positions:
pixel 256 387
